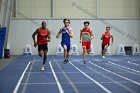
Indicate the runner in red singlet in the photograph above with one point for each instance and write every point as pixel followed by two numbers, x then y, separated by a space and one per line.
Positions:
pixel 106 40
pixel 43 37
pixel 86 35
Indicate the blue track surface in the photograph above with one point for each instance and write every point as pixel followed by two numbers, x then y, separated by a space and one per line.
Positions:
pixel 115 74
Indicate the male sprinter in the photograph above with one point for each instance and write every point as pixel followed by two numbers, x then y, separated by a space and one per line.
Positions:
pixel 86 35
pixel 67 33
pixel 43 37
pixel 106 40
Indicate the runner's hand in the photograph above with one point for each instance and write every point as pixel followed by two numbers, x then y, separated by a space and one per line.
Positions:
pixel 68 31
pixel 48 40
pixel 35 44
pixel 57 36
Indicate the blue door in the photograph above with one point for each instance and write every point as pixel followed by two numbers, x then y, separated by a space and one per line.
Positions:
pixel 2 39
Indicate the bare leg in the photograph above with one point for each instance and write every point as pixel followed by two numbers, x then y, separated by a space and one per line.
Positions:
pixel 84 53
pixel 104 51
pixel 65 54
pixel 45 57
pixel 41 53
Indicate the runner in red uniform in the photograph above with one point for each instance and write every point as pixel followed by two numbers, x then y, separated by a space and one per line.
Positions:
pixel 43 37
pixel 86 35
pixel 106 40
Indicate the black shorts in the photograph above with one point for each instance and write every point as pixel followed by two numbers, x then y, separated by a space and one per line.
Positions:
pixel 43 47
pixel 103 46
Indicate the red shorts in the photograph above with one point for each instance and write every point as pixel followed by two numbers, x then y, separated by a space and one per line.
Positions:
pixel 87 45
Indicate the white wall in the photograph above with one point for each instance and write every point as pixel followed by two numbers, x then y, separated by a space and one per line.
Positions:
pixel 119 8
pixel 33 8
pixel 68 8
pixel 20 33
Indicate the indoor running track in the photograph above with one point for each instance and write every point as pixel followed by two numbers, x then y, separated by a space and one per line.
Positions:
pixel 115 74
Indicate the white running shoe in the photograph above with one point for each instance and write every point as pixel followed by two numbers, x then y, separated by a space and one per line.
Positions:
pixel 42 68
pixel 103 57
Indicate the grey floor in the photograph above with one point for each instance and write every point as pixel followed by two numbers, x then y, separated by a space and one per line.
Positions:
pixel 6 61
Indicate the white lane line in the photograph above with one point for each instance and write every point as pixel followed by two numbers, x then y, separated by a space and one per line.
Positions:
pixel 74 72
pixel 19 82
pixel 54 83
pixel 124 67
pixel 73 86
pixel 137 83
pixel 115 82
pixel 56 79
pixel 55 72
pixel 28 76
pixel 65 74
pixel 102 87
pixel 133 63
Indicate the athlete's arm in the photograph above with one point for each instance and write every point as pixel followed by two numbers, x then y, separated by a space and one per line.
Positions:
pixel 33 36
pixel 112 39
pixel 102 36
pixel 92 36
pixel 80 36
pixel 70 33
pixel 58 34
pixel 49 37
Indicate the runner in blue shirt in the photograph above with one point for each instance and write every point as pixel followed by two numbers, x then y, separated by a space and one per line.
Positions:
pixel 67 33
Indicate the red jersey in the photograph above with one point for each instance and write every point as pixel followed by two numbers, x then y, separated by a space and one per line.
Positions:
pixel 86 34
pixel 106 38
pixel 42 36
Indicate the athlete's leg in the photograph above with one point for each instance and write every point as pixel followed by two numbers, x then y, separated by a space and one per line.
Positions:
pixel 45 57
pixel 41 53
pixel 44 60
pixel 84 53
pixel 88 47
pixel 40 50
pixel 65 53
pixel 68 49
pixel 67 57
pixel 104 50
pixel 45 51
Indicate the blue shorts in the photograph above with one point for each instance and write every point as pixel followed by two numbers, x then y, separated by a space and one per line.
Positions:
pixel 67 44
